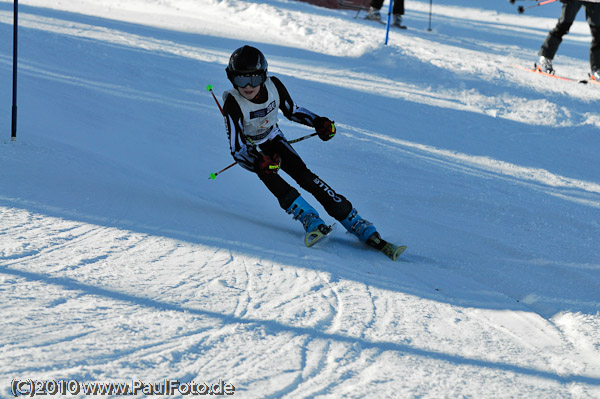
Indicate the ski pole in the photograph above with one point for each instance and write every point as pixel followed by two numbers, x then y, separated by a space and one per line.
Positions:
pixel 303 138
pixel 522 9
pixel 209 88
pixel 213 176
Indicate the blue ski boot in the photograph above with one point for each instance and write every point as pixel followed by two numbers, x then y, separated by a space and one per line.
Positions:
pixel 358 226
pixel 314 226
pixel 306 214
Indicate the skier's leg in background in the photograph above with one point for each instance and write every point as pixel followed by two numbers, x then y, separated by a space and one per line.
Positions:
pixel 398 7
pixel 554 38
pixel 374 10
pixel 398 12
pixel 592 13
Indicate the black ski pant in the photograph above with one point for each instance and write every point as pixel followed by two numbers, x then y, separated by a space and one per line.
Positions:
pixel 335 204
pixel 397 8
pixel 569 11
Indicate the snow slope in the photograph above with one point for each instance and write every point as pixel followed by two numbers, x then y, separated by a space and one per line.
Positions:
pixel 120 261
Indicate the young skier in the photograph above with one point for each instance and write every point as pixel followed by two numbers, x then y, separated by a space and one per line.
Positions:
pixel 258 145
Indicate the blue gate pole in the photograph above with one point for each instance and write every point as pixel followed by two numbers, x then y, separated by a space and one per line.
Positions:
pixel 13 130
pixel 387 30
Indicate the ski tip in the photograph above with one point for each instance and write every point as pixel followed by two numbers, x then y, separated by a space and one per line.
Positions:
pixel 398 252
pixel 393 251
pixel 209 88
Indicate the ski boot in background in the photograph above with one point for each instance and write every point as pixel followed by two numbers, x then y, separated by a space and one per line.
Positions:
pixel 544 65
pixel 397 21
pixel 373 14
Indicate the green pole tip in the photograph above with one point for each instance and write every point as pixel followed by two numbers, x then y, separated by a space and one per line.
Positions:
pixel 213 176
pixel 209 88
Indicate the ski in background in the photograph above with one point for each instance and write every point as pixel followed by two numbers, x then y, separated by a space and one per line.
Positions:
pixel 551 75
pixel 535 70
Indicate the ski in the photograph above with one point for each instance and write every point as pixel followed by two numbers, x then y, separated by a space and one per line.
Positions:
pixel 390 250
pixel 590 79
pixel 550 75
pixel 313 237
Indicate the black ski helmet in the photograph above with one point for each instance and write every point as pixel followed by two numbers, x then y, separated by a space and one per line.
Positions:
pixel 247 61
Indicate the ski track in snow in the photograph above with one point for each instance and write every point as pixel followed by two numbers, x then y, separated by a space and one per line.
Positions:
pixel 72 256
pixel 114 269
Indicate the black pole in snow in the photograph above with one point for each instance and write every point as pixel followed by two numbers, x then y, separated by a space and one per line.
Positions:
pixel 13 136
pixel 430 7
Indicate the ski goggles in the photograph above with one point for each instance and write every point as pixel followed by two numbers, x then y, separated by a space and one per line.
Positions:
pixel 252 80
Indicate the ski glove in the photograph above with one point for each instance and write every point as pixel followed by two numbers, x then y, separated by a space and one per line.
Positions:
pixel 324 127
pixel 267 163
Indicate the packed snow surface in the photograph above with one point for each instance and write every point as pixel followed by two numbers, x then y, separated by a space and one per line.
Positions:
pixel 121 261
